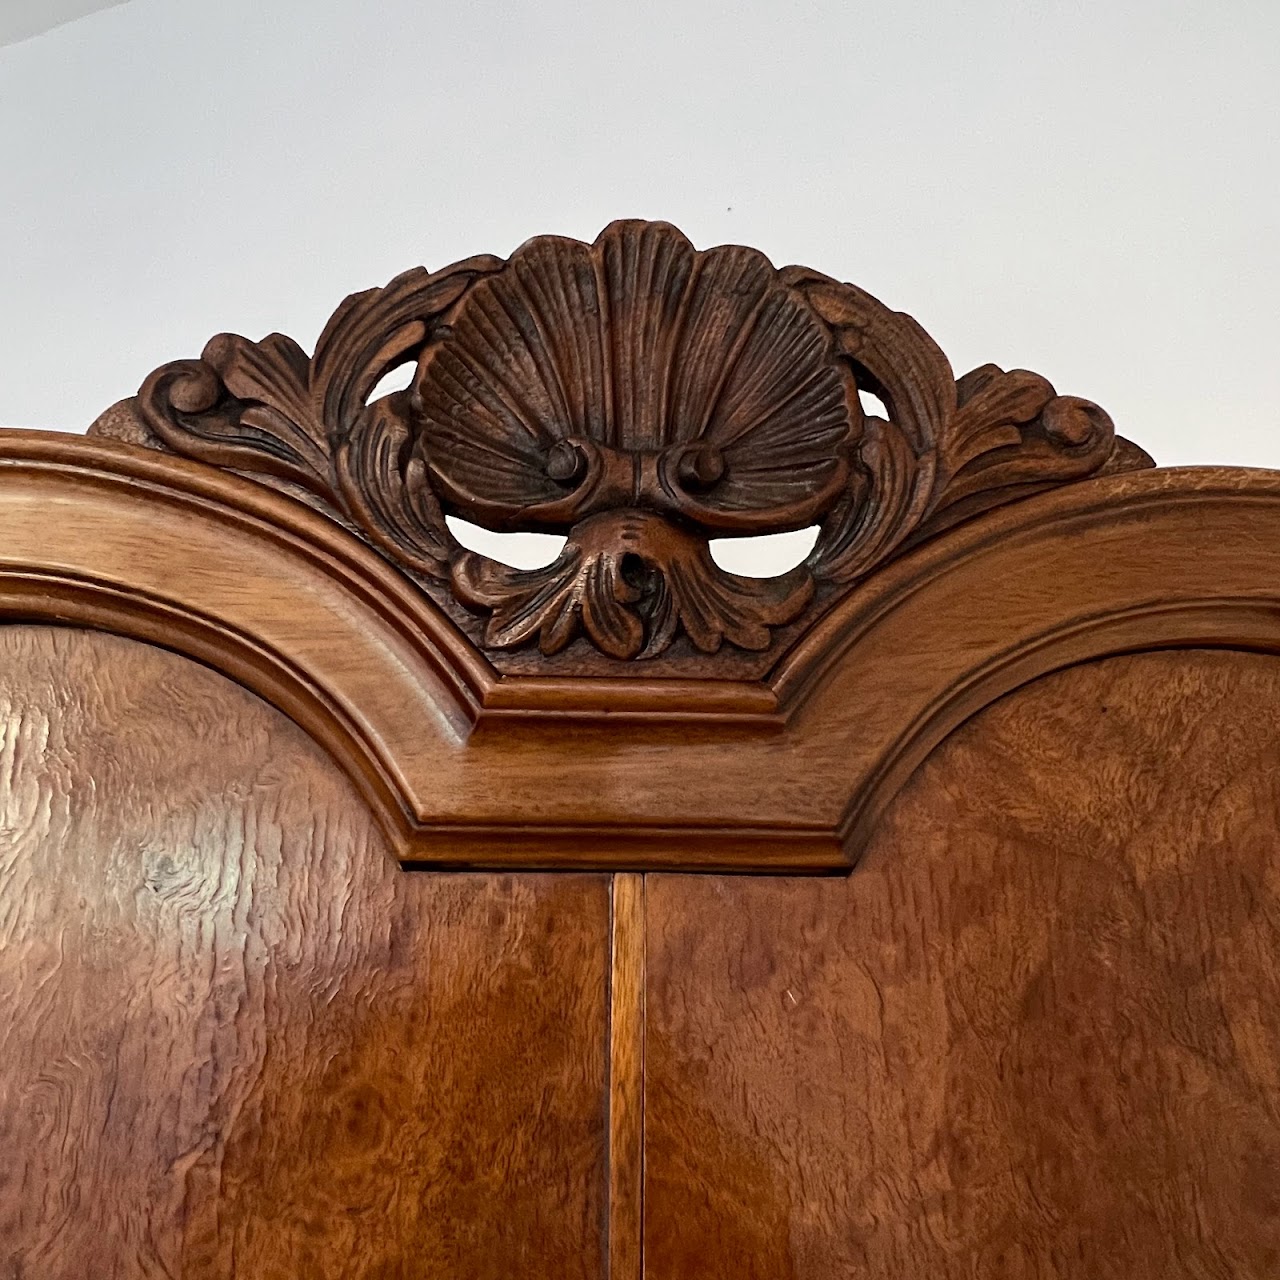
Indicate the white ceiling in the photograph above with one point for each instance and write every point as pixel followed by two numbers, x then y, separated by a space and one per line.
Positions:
pixel 22 19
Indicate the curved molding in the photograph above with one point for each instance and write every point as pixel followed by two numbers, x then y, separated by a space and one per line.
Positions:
pixel 1176 558
pixel 469 768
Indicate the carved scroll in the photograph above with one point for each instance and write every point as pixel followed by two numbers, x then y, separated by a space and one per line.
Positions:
pixel 639 397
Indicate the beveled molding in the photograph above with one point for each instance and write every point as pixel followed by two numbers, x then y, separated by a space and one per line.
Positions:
pixel 289 603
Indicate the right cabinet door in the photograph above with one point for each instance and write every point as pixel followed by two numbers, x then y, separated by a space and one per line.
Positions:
pixel 1036 1033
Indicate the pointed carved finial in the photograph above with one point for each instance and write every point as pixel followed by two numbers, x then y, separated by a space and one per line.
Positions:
pixel 641 398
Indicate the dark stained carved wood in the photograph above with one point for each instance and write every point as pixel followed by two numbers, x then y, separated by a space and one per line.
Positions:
pixel 640 397
pixel 235 1040
pixel 1035 1034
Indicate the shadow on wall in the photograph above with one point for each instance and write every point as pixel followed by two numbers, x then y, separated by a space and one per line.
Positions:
pixel 22 19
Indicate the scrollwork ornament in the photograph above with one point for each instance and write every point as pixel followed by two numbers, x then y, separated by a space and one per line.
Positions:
pixel 641 398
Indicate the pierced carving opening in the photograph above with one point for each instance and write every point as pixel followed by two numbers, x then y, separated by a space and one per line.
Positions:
pixel 872 405
pixel 398 379
pixel 515 550
pixel 767 555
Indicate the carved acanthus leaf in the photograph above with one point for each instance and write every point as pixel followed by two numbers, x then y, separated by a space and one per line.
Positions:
pixel 640 397
pixel 267 407
pixel 631 581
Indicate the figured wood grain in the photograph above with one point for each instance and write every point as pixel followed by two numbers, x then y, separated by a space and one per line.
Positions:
pixel 1036 1033
pixel 236 1040
pixel 626 1078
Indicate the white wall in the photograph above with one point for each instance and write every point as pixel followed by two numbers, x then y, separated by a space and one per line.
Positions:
pixel 1091 190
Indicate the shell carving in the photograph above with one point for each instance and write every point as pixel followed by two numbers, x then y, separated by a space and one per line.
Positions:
pixel 583 379
pixel 640 397
pixel 627 391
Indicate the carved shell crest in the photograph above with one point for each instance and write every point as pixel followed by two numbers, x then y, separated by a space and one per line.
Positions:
pixel 636 372
pixel 640 397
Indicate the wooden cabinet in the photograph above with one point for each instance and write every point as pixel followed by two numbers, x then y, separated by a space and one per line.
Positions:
pixel 372 909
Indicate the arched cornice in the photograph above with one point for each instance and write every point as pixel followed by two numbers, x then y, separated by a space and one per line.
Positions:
pixel 467 767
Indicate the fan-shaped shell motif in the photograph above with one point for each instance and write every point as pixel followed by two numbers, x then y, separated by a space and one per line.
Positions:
pixel 637 348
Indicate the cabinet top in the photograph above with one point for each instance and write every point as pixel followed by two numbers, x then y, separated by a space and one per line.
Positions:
pixel 631 703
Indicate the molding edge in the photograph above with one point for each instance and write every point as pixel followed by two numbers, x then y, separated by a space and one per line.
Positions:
pixel 785 779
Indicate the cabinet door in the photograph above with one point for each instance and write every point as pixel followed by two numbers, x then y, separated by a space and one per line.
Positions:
pixel 236 1039
pixel 1036 1033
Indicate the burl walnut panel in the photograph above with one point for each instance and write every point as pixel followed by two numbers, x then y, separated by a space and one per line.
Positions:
pixel 236 1039
pixel 1035 1034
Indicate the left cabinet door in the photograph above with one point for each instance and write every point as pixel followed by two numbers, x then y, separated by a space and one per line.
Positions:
pixel 236 1039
